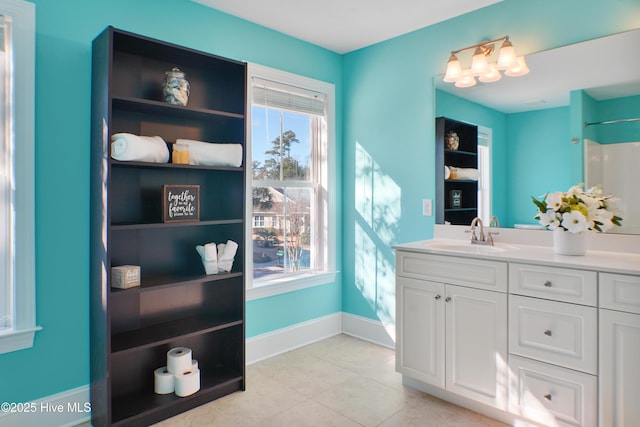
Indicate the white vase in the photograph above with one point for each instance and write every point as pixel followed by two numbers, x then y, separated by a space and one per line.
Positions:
pixel 565 243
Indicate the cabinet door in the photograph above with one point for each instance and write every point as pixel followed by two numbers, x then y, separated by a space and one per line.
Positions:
pixel 420 330
pixel 476 349
pixel 619 373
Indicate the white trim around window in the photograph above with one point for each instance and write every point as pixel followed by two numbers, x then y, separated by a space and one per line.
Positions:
pixel 293 282
pixel 21 249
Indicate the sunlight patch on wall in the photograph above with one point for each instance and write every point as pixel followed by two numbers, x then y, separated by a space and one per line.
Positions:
pixel 377 197
pixel 378 207
pixel 375 278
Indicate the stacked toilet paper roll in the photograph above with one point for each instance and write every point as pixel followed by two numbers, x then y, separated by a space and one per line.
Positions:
pixel 181 375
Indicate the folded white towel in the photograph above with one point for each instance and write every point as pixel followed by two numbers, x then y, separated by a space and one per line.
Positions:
pixel 130 147
pixel 226 255
pixel 213 154
pixel 209 257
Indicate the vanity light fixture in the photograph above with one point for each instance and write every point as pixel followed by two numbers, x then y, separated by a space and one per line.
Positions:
pixel 482 67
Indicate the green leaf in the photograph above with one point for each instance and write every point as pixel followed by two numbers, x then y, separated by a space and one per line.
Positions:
pixel 541 205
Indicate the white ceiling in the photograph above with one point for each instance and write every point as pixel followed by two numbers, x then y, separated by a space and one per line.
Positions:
pixel 346 25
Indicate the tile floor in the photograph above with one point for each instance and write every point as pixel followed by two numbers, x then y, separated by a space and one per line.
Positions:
pixel 341 381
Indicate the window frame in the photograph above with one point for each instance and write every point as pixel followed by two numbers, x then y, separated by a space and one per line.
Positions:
pixel 22 250
pixel 327 180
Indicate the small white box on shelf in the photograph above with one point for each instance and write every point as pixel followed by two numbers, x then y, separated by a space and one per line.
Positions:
pixel 125 276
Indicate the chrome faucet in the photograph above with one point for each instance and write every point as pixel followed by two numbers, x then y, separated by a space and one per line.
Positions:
pixel 493 222
pixel 481 238
pixel 476 238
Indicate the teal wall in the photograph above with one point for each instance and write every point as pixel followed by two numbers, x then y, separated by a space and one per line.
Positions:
pixel 385 128
pixel 613 109
pixel 65 29
pixel 538 146
pixel 389 128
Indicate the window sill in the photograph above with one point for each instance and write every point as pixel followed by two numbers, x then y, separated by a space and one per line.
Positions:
pixel 268 288
pixel 17 340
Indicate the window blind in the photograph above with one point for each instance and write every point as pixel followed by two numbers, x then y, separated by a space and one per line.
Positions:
pixel 277 95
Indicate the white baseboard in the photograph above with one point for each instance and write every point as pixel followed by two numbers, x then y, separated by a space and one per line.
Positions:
pixel 277 342
pixel 286 339
pixel 65 409
pixel 369 330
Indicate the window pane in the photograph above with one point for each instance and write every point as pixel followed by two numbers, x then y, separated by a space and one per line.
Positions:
pixel 6 227
pixel 284 243
pixel 281 145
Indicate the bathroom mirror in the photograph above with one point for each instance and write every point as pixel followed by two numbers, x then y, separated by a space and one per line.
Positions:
pixel 536 125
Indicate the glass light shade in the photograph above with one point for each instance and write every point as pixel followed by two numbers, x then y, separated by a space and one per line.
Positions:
pixel 454 70
pixel 507 57
pixel 479 64
pixel 493 75
pixel 518 70
pixel 467 79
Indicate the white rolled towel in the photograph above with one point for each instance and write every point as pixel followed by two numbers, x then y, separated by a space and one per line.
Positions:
pixel 130 147
pixel 213 153
pixel 451 172
pixel 226 255
pixel 468 173
pixel 209 257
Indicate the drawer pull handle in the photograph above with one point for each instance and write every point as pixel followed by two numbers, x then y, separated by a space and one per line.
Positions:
pixel 447 299
pixel 548 284
pixel 548 332
pixel 438 297
pixel 548 396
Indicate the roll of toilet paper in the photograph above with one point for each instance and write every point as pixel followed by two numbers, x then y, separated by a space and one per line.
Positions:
pixel 194 364
pixel 187 383
pixel 163 381
pixel 179 360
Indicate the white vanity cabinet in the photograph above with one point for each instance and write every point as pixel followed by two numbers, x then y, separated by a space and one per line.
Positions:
pixel 619 329
pixel 452 324
pixel 522 334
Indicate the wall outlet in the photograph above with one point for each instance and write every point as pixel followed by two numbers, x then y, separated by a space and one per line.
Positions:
pixel 427 207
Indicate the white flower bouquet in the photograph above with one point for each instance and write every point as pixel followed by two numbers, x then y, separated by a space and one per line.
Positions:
pixel 578 210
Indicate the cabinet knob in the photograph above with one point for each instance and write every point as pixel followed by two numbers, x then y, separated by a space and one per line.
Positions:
pixel 548 332
pixel 548 284
pixel 447 299
pixel 548 396
pixel 438 297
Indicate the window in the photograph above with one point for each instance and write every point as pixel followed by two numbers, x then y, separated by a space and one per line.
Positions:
pixel 291 146
pixel 17 267
pixel 258 221
pixel 484 166
pixel 6 193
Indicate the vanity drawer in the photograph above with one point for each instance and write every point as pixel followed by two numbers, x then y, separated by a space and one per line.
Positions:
pixel 560 284
pixel 554 332
pixel 491 275
pixel 620 292
pixel 552 395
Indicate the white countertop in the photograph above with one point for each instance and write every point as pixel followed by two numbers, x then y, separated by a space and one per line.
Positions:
pixel 605 261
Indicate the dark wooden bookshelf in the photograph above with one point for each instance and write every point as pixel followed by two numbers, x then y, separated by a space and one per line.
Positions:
pixel 176 304
pixel 466 156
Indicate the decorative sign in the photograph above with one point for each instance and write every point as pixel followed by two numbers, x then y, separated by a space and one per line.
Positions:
pixel 180 203
pixel 456 198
